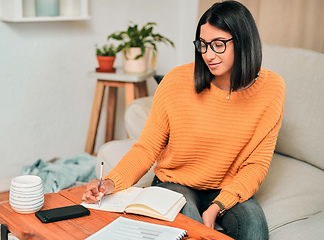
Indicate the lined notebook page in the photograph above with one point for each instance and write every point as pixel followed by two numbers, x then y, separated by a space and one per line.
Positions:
pixel 128 229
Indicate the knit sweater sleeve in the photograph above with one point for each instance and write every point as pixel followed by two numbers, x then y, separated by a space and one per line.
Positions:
pixel 144 152
pixel 251 173
pixel 253 169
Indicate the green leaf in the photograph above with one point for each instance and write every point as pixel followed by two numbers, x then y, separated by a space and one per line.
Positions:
pixel 135 37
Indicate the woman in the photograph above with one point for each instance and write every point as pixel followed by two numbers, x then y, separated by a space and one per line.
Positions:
pixel 212 128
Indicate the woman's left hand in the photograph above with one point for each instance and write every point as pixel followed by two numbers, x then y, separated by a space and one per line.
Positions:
pixel 209 216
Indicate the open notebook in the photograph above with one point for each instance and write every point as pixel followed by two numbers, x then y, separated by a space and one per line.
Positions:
pixel 154 202
pixel 124 228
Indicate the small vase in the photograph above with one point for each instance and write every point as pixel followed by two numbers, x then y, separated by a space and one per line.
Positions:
pixel 29 8
pixel 47 7
pixel 106 63
pixel 132 65
pixel 70 7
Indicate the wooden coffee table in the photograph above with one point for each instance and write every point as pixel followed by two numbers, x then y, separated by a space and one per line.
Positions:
pixel 27 226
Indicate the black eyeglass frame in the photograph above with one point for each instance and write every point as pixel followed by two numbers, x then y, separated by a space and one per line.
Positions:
pixel 209 43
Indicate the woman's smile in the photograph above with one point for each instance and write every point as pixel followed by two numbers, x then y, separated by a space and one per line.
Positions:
pixel 214 65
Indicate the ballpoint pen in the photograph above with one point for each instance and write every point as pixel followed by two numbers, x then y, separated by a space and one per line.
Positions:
pixel 101 173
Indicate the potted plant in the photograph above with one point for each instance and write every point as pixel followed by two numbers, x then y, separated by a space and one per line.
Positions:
pixel 106 56
pixel 136 44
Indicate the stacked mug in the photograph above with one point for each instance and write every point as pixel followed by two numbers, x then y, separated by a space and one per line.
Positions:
pixel 26 194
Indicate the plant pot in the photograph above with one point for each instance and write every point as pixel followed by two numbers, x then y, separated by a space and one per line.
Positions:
pixel 132 65
pixel 106 63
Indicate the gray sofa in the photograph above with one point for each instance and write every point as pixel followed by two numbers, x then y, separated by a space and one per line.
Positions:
pixel 292 194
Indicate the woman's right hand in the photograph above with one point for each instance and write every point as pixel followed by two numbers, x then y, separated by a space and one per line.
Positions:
pixel 209 216
pixel 94 192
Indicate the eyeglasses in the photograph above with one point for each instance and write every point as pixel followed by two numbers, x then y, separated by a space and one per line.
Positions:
pixel 218 46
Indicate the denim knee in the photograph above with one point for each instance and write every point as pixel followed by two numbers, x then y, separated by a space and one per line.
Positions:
pixel 245 221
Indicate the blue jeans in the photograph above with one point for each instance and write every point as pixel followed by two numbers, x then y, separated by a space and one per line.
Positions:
pixel 244 221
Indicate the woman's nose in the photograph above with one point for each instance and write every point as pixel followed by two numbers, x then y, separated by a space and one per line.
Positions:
pixel 210 54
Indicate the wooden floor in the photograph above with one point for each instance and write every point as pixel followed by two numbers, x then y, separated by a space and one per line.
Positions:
pixel 4 196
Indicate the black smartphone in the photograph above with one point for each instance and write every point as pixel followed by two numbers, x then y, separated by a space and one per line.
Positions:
pixel 62 213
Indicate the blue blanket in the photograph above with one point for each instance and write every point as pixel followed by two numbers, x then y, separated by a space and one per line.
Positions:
pixel 64 172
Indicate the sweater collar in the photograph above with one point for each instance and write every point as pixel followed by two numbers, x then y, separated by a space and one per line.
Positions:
pixel 244 94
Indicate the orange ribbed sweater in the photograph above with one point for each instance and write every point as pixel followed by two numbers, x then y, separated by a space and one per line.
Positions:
pixel 214 142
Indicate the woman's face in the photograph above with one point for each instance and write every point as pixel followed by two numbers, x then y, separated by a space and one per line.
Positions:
pixel 220 65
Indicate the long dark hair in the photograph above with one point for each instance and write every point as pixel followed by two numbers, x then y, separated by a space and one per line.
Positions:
pixel 236 19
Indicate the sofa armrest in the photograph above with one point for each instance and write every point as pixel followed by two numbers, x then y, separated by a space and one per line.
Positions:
pixel 136 115
pixel 112 152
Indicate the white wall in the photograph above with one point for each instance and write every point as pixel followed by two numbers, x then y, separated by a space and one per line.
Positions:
pixel 45 94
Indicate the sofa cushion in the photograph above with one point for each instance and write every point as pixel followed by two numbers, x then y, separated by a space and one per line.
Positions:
pixel 292 192
pixel 309 228
pixel 301 134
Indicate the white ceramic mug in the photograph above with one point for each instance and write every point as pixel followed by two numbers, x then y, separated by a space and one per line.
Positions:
pixel 26 194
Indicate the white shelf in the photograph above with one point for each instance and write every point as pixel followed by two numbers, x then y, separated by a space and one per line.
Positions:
pixel 12 11
pixel 46 19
